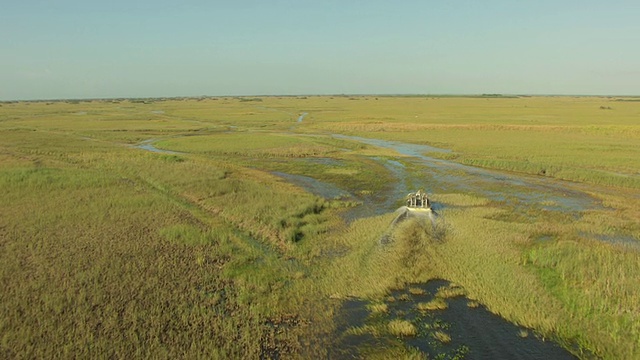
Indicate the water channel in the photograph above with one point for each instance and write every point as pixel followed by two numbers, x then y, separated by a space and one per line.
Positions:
pixel 447 176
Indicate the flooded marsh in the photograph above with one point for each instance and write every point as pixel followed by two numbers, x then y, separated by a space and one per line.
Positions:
pixel 261 223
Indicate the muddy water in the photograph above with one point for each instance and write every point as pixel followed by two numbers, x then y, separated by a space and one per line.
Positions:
pixel 475 332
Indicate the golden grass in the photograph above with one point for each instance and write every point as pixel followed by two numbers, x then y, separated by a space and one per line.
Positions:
pixel 435 304
pixel 416 291
pixel 450 291
pixel 378 308
pixel 402 328
pixel 88 279
pixel 442 337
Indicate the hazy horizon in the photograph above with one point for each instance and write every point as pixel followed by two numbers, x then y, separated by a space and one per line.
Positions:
pixel 144 49
pixel 484 95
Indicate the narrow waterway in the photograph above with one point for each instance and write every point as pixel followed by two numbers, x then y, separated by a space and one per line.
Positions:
pixel 148 146
pixel 515 190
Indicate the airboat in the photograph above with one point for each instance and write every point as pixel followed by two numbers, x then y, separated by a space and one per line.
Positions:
pixel 418 206
pixel 418 201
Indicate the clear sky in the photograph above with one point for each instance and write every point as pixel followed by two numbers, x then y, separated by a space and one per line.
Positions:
pixel 152 48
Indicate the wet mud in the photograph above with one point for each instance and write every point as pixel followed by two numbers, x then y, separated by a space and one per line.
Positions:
pixel 470 330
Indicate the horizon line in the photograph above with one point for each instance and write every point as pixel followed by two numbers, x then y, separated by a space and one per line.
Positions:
pixel 175 97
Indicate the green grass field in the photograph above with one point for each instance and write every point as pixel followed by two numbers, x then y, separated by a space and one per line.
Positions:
pixel 109 250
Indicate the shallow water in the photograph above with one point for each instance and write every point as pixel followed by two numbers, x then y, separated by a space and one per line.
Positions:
pixel 148 145
pixel 475 332
pixel 522 193
pixel 448 176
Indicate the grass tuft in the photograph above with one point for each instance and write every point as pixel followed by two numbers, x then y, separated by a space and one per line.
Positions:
pixel 442 337
pixel 435 304
pixel 402 328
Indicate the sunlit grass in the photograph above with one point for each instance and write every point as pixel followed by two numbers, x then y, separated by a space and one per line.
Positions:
pixel 416 291
pixel 248 144
pixel 379 308
pixel 442 337
pixel 130 250
pixel 565 138
pixel 435 304
pixel 402 328
pixel 112 251
pixel 451 291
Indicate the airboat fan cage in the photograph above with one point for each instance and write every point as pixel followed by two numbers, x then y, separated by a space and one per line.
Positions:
pixel 418 200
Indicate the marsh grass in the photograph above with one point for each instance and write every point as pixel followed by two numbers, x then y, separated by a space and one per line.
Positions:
pixel 567 272
pixel 247 144
pixel 111 251
pixel 136 257
pixel 437 303
pixel 473 304
pixel 442 337
pixel 378 308
pixel 402 328
pixel 451 291
pixel 564 138
pixel 76 263
pixel 416 291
